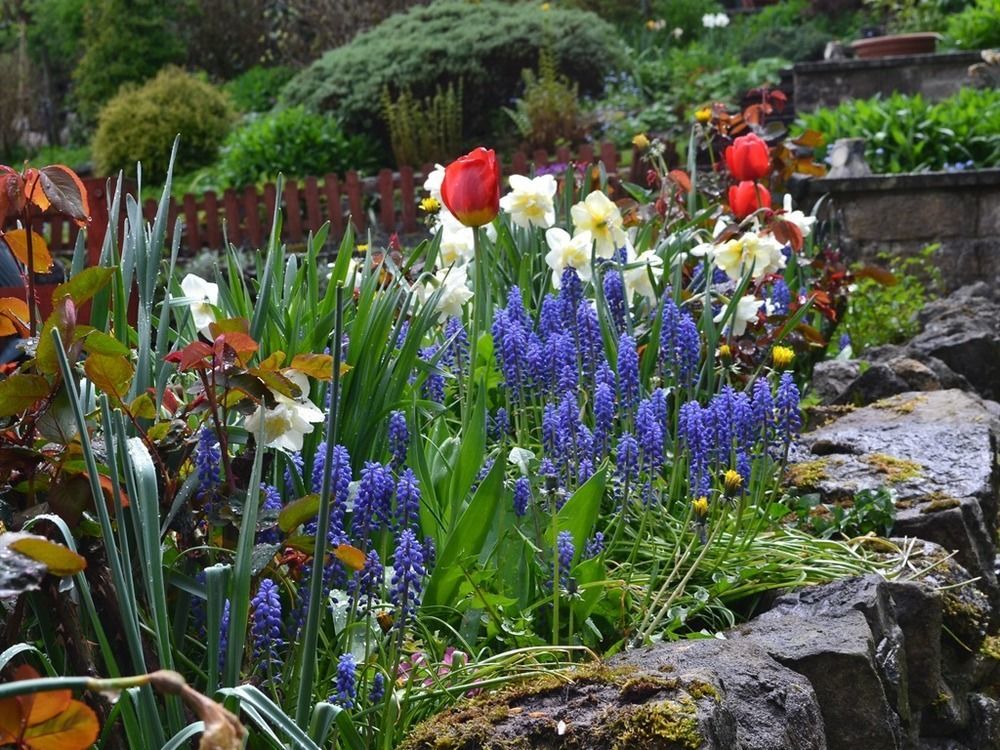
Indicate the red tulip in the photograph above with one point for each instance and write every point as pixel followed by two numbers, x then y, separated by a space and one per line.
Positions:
pixel 747 197
pixel 748 158
pixel 471 187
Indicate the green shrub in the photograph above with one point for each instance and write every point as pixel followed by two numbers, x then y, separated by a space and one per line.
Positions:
pixel 257 89
pixel 548 114
pixel 422 131
pixel 125 41
pixel 976 27
pixel 294 142
pixel 880 313
pixel 140 124
pixel 485 44
pixel 909 134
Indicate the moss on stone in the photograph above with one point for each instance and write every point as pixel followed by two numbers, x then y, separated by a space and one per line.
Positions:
pixel 991 647
pixel 667 725
pixel 938 501
pixel 808 473
pixel 899 405
pixel 895 469
pixel 643 686
pixel 698 690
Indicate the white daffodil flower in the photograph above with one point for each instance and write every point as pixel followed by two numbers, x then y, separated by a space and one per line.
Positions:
pixel 637 279
pixel 289 419
pixel 745 312
pixel 454 282
pixel 798 218
pixel 521 458
pixel 568 252
pixel 205 295
pixel 457 240
pixel 530 202
pixel 433 183
pixel 757 254
pixel 600 217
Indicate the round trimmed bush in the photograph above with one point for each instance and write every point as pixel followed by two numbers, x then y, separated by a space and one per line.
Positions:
pixel 486 45
pixel 294 142
pixel 140 124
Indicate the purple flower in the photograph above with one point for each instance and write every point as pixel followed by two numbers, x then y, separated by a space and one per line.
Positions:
pixel 515 308
pixel 377 691
pixel 207 462
pixel 569 296
pixel 266 627
pixel 294 465
pixel 594 546
pixel 374 500
pixel 786 402
pixel 407 500
pixel 340 483
pixel 498 425
pixel 551 319
pixel 688 349
pixel 844 341
pixel 271 507
pixel 223 634
pixel 762 410
pixel 366 584
pixel 522 496
pixel 604 416
pixel 458 348
pixel 566 553
pixel 346 685
pixel 694 426
pixel 614 293
pixel 627 457
pixel 781 296
pixel 628 372
pixel 589 332
pixel 511 344
pixel 407 577
pixel 584 471
pixel 650 435
pixel 605 375
pixel 399 438
pixel 433 387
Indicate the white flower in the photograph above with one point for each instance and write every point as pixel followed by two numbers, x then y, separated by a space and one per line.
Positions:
pixel 455 292
pixel 745 312
pixel 433 183
pixel 205 296
pixel 457 240
pixel 600 217
pixel 753 253
pixel 799 219
pixel 703 250
pixel 289 419
pixel 521 457
pixel 715 20
pixel 678 32
pixel 530 201
pixel 637 279
pixel 568 252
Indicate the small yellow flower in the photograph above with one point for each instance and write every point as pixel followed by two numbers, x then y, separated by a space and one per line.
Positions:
pixel 640 141
pixel 546 6
pixel 725 352
pixel 782 356
pixel 732 480
pixel 700 506
pixel 362 248
pixel 703 115
pixel 430 205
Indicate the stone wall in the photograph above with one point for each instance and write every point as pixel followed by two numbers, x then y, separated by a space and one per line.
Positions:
pixel 827 83
pixel 903 213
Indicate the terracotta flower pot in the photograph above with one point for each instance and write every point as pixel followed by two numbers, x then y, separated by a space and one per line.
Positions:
pixel 923 43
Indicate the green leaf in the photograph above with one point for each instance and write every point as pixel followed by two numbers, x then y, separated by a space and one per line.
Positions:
pixel 84 285
pixel 110 373
pixel 20 392
pixel 298 512
pixel 579 514
pixel 467 538
pixel 98 342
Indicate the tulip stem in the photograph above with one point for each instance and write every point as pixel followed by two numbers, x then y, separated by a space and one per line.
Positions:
pixel 481 301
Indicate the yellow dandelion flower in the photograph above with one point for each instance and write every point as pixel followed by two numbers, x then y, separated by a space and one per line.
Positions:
pixel 703 115
pixel 732 480
pixel 430 205
pixel 782 356
pixel 546 6
pixel 700 506
pixel 725 352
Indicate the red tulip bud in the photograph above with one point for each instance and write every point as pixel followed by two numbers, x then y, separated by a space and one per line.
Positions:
pixel 471 187
pixel 747 197
pixel 748 158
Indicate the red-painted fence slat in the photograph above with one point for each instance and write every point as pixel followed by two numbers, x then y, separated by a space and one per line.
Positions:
pixel 334 209
pixel 354 202
pixel 213 233
pixel 234 225
pixel 293 212
pixel 314 219
pixel 408 199
pixel 387 207
pixel 270 198
pixel 191 223
pixel 251 225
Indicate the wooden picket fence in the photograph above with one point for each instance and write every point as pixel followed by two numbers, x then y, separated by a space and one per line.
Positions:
pixel 385 204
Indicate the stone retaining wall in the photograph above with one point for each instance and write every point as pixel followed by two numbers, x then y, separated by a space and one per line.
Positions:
pixel 903 213
pixel 828 83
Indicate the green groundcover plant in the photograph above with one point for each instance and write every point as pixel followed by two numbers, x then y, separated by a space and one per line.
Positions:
pixel 326 501
pixel 905 133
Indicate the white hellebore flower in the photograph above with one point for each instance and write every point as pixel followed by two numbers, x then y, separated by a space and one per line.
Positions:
pixel 758 254
pixel 715 20
pixel 745 312
pixel 433 183
pixel 530 201
pixel 207 295
pixel 568 252
pixel 799 219
pixel 637 279
pixel 455 294
pixel 289 419
pixel 599 216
